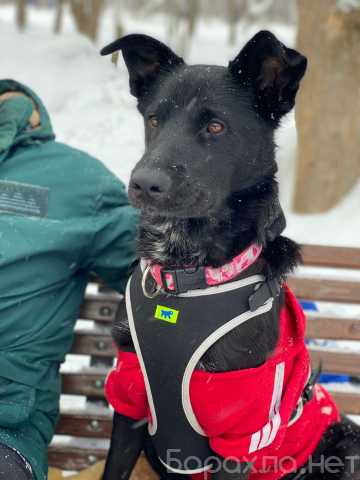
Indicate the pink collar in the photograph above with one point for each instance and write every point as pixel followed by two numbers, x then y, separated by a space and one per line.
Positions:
pixel 168 278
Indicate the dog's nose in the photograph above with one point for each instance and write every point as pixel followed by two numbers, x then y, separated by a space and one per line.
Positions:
pixel 154 183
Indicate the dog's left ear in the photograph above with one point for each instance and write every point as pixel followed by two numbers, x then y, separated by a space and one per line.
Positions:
pixel 273 71
pixel 146 59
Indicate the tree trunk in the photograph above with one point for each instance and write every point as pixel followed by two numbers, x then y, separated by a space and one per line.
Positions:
pixel 87 14
pixel 327 114
pixel 193 15
pixel 233 9
pixel 21 16
pixel 119 27
pixel 190 12
pixel 59 17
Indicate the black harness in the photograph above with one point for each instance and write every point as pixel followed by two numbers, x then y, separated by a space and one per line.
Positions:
pixel 171 333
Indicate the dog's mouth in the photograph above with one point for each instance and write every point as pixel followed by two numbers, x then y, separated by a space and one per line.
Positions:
pixel 183 204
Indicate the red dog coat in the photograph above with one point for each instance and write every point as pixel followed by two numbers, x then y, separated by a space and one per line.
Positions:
pixel 246 414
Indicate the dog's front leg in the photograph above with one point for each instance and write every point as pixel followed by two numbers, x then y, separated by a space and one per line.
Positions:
pixel 231 470
pixel 127 441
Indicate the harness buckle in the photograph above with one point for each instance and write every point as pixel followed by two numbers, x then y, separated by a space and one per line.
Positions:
pixel 269 289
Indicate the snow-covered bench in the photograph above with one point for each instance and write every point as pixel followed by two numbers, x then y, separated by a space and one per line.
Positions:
pixel 330 274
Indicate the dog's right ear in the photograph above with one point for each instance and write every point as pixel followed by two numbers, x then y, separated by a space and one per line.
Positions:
pixel 273 71
pixel 146 59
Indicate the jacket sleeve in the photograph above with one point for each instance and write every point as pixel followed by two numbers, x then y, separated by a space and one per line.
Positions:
pixel 125 387
pixel 114 243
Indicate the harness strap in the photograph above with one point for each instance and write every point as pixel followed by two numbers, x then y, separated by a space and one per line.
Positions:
pixel 308 391
pixel 307 394
pixel 270 288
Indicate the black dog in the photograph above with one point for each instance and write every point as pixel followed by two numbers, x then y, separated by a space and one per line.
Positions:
pixel 206 189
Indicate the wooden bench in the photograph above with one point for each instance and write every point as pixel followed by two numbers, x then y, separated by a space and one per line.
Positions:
pixel 336 283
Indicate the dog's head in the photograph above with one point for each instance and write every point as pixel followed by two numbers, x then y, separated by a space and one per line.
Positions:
pixel 209 130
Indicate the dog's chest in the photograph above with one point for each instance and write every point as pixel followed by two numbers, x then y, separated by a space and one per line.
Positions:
pixel 171 333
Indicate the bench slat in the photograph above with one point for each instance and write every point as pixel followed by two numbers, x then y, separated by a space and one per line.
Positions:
pixel 100 307
pixel 347 363
pixel 332 328
pixel 86 384
pixel 74 458
pixel 85 425
pixel 347 402
pixel 310 288
pixel 324 256
pixel 93 344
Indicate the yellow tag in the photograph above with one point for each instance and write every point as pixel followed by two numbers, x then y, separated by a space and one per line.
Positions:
pixel 167 314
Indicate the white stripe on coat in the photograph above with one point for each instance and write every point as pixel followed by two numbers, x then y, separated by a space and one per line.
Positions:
pixel 264 437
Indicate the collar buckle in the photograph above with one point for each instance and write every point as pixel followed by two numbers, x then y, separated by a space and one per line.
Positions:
pixel 183 279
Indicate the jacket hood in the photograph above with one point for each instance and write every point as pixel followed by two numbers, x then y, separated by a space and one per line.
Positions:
pixel 14 128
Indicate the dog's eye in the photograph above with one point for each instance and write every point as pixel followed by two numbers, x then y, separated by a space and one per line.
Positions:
pixel 153 121
pixel 215 128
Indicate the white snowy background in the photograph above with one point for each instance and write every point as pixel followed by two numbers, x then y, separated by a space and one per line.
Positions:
pixel 91 109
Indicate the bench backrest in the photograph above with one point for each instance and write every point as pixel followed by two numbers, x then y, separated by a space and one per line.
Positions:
pixel 335 282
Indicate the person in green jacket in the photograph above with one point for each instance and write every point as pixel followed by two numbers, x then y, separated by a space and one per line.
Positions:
pixel 63 215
